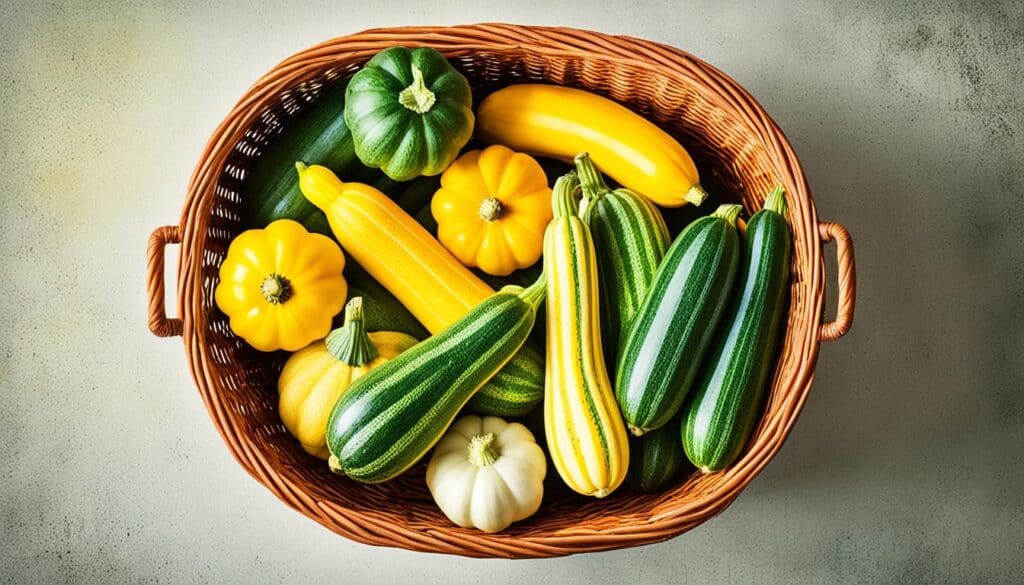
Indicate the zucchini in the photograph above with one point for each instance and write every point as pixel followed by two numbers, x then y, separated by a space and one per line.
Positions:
pixel 675 324
pixel 585 435
pixel 726 404
pixel 631 238
pixel 319 135
pixel 655 459
pixel 389 418
pixel 414 267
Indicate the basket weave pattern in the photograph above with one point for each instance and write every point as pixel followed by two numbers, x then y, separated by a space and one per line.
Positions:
pixel 741 154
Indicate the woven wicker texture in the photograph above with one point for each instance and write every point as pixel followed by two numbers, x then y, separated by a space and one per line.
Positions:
pixel 741 154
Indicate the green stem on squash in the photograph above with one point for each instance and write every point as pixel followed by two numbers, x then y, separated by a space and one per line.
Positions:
pixel 276 289
pixel 417 97
pixel 534 294
pixel 563 196
pixel 349 343
pixel 729 212
pixel 481 453
pixel 591 181
pixel 776 201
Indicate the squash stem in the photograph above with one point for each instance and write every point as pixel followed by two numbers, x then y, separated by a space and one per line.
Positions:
pixel 696 195
pixel 534 294
pixel 417 97
pixel 591 181
pixel 481 453
pixel 349 343
pixel 490 209
pixel 276 289
pixel 563 197
pixel 776 201
pixel 729 212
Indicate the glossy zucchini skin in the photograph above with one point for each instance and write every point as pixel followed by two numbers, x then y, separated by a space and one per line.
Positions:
pixel 675 324
pixel 631 239
pixel 726 404
pixel 389 418
pixel 270 190
pixel 381 310
pixel 655 459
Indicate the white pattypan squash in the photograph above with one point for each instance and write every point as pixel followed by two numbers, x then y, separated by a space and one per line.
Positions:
pixel 486 473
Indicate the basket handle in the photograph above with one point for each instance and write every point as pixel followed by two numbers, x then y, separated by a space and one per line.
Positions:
pixel 847 280
pixel 159 323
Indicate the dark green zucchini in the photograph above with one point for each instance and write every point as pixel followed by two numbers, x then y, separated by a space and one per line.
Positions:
pixel 655 458
pixel 727 400
pixel 677 320
pixel 390 417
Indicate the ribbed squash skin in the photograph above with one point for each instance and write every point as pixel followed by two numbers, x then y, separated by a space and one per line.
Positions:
pixel 675 324
pixel 655 459
pixel 394 414
pixel 586 438
pixel 403 257
pixel 727 401
pixel 631 238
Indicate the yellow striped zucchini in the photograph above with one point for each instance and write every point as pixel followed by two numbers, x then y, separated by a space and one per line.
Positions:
pixel 586 437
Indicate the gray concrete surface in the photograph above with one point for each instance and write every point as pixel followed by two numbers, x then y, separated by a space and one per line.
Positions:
pixel 906 466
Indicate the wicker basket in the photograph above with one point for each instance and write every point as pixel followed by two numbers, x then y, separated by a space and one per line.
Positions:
pixel 741 154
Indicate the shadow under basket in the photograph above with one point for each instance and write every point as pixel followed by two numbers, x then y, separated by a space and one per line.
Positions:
pixel 741 155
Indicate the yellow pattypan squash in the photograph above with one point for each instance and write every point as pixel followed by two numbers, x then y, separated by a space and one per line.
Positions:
pixel 492 208
pixel 315 377
pixel 281 285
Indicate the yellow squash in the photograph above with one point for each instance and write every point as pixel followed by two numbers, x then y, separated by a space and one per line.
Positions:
pixel 315 377
pixel 382 238
pixel 281 285
pixel 586 436
pixel 492 208
pixel 559 122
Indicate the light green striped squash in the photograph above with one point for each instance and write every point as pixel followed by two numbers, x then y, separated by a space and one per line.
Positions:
pixel 677 320
pixel 389 418
pixel 630 238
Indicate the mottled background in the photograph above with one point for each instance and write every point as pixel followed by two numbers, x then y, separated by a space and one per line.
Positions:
pixel 905 467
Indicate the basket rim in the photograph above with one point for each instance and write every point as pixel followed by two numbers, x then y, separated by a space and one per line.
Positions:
pixel 561 41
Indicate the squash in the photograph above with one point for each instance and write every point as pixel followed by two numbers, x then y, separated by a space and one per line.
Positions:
pixel 631 239
pixel 728 397
pixel 393 415
pixel 486 473
pixel 675 324
pixel 409 111
pixel 492 208
pixel 281 285
pixel 560 122
pixel 586 437
pixel 315 377
pixel 436 288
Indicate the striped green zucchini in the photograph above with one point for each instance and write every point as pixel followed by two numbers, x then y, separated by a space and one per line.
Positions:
pixel 389 418
pixel 727 401
pixel 586 439
pixel 630 238
pixel 655 458
pixel 677 320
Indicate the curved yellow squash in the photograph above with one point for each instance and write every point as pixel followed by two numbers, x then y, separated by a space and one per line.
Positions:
pixel 561 122
pixel 586 436
pixel 398 252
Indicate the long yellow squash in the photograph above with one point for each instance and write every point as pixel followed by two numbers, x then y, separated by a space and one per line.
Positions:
pixel 586 436
pixel 560 122
pixel 395 250
pixel 436 288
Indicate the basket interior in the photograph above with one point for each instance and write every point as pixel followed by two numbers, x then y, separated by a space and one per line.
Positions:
pixel 733 165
